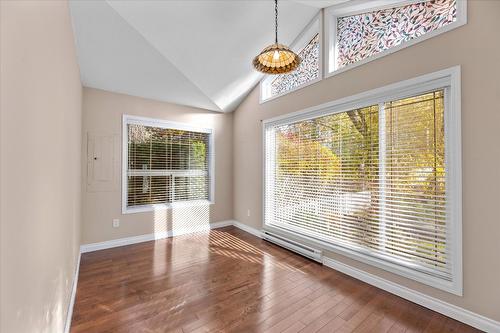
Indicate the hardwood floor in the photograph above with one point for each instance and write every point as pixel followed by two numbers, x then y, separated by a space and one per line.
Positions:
pixel 230 281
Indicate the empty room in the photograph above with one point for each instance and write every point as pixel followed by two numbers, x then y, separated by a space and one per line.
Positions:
pixel 249 166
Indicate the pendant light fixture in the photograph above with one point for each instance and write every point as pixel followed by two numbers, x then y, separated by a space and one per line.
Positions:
pixel 276 58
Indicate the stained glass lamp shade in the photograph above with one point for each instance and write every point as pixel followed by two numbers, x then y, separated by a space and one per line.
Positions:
pixel 276 58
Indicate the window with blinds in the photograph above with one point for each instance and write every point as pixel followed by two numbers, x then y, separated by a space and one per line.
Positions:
pixel 165 163
pixel 372 180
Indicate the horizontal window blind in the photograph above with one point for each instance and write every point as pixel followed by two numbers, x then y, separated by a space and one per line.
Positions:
pixel 371 179
pixel 166 165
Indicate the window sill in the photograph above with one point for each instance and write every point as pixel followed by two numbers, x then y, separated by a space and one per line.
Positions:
pixel 261 101
pixel 162 207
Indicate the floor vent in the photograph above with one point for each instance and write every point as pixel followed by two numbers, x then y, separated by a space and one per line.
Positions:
pixel 299 248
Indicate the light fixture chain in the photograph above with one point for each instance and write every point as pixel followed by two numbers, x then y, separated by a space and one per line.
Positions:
pixel 276 58
pixel 276 21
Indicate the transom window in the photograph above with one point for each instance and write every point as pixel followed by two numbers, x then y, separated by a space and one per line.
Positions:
pixel 363 35
pixel 372 180
pixel 357 32
pixel 365 30
pixel 308 70
pixel 164 163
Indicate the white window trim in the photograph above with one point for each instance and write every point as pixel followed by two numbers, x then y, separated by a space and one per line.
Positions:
pixel 448 79
pixel 345 9
pixel 298 44
pixel 128 119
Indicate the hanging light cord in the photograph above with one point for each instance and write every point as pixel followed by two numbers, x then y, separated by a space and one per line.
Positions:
pixel 276 21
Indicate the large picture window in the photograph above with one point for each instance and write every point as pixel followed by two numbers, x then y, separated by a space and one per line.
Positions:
pixel 164 163
pixel 373 178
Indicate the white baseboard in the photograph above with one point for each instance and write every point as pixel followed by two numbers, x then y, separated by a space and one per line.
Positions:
pixel 447 309
pixel 149 237
pixel 71 304
pixel 248 229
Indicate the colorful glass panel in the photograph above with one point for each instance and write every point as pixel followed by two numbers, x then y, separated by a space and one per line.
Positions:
pixel 363 35
pixel 308 70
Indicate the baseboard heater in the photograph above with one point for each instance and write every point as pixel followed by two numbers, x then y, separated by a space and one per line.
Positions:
pixel 296 247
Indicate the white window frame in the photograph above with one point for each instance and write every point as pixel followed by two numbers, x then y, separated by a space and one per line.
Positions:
pixel 315 26
pixel 159 123
pixel 449 80
pixel 357 7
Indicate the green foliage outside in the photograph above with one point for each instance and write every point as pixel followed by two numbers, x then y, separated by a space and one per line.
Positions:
pixel 338 155
pixel 153 149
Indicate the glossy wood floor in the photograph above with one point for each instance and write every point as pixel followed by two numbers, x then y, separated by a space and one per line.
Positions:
pixel 231 281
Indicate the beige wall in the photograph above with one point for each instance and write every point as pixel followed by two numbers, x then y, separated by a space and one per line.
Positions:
pixel 41 147
pixel 476 48
pixel 102 113
pixel 40 141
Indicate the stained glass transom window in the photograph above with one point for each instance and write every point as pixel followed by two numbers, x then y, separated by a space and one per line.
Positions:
pixel 308 69
pixel 363 35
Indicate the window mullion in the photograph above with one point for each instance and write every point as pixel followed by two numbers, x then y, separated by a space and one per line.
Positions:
pixel 382 174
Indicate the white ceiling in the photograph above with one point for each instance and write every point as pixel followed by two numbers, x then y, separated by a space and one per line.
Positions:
pixel 195 53
pixel 321 3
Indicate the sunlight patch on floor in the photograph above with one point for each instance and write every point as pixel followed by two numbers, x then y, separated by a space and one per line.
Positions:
pixel 223 243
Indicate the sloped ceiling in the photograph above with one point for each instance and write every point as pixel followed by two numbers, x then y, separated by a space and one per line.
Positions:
pixel 322 3
pixel 195 53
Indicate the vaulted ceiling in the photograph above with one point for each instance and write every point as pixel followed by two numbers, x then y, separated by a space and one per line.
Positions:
pixel 195 53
